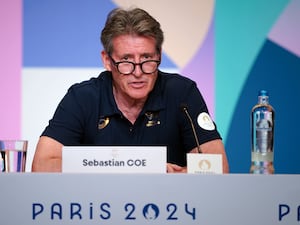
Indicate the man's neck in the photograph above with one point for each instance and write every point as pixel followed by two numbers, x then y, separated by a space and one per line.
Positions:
pixel 130 108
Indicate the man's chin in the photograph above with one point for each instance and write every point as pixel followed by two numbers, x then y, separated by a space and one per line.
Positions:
pixel 138 95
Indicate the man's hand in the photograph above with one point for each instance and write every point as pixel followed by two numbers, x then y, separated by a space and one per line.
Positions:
pixel 173 168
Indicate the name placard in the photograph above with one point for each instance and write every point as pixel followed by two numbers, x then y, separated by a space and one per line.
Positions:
pixel 114 159
pixel 204 163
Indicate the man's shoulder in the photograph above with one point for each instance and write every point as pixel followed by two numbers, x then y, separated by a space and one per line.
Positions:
pixel 94 83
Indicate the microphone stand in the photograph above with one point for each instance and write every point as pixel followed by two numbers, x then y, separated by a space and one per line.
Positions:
pixel 184 108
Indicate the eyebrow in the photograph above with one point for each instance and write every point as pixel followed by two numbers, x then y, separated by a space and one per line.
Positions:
pixel 145 54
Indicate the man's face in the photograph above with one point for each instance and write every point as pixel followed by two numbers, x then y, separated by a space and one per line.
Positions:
pixel 137 49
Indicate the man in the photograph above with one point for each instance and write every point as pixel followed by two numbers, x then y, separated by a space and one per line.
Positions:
pixel 132 102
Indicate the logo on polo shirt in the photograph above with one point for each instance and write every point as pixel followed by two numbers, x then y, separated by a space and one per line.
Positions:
pixel 103 123
pixel 153 119
pixel 205 122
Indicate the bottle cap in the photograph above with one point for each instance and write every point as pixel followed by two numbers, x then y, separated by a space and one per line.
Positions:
pixel 263 93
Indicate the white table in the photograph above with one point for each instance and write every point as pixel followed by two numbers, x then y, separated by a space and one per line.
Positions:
pixel 137 199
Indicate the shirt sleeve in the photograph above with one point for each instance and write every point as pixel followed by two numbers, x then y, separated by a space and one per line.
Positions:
pixel 66 126
pixel 205 127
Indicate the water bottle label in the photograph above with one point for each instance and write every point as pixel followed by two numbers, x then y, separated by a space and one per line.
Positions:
pixel 265 157
pixel 263 132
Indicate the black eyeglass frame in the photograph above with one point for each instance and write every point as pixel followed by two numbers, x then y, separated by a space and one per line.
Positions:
pixel 134 65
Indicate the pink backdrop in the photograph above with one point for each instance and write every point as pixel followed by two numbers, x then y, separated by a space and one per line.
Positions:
pixel 10 68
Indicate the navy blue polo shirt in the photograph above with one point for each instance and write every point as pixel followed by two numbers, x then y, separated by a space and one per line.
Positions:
pixel 88 115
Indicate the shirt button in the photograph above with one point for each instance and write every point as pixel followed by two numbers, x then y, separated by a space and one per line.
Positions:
pixel 130 129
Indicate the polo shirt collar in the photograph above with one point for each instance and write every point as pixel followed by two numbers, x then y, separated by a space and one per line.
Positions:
pixel 108 106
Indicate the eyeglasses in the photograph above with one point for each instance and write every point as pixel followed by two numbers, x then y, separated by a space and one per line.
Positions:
pixel 127 67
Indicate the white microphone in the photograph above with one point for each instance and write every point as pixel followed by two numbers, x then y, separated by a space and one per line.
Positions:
pixel 184 108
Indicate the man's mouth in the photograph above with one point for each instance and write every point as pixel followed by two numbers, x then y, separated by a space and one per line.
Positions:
pixel 138 84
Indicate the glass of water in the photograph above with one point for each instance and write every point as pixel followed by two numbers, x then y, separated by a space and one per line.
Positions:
pixel 13 155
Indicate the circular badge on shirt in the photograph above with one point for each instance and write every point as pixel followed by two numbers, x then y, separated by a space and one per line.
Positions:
pixel 205 122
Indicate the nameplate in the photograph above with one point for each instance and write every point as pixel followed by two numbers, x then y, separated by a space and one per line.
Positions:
pixel 204 163
pixel 114 159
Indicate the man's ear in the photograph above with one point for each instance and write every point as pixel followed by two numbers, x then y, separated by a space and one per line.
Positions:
pixel 106 60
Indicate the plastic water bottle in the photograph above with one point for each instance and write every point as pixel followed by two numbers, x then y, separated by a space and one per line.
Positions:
pixel 262 133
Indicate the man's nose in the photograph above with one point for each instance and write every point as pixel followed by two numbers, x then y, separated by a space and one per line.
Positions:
pixel 138 70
